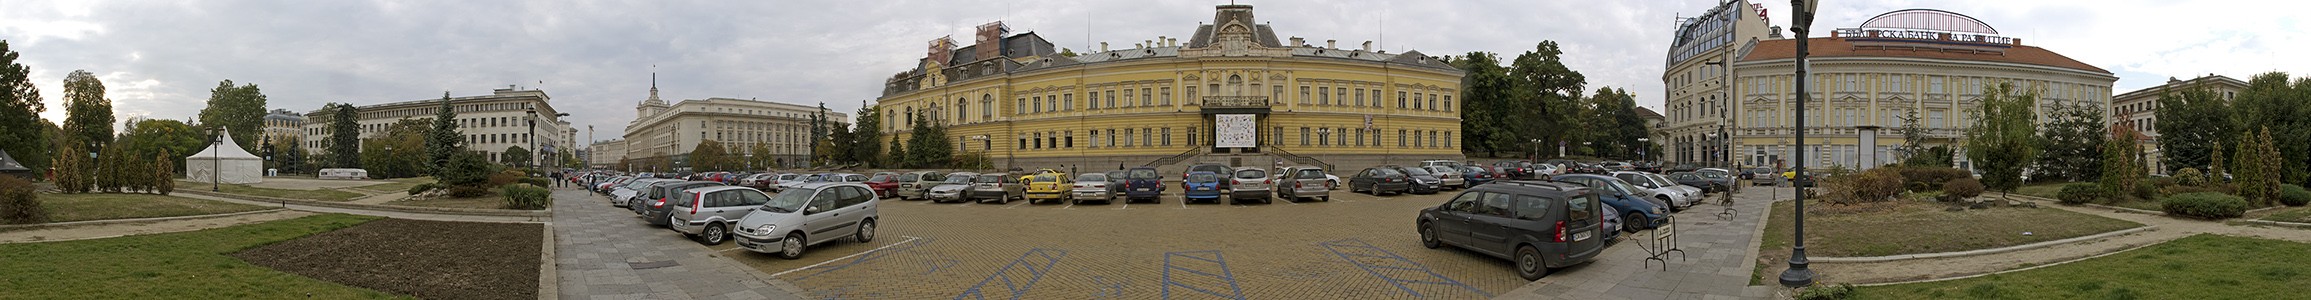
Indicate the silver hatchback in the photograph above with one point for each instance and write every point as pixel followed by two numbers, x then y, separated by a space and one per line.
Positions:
pixel 707 214
pixel 1304 182
pixel 809 215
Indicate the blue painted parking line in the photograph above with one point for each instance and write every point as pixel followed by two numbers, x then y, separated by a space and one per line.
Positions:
pixel 868 256
pixel 1031 265
pixel 1188 262
pixel 1107 290
pixel 940 264
pixel 1394 269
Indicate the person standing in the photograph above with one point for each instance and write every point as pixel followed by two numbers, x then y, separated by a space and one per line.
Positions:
pixel 558 180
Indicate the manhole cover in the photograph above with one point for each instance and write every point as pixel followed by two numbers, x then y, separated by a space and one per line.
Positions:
pixel 652 265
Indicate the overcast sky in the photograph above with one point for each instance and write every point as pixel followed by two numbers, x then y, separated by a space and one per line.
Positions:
pixel 160 58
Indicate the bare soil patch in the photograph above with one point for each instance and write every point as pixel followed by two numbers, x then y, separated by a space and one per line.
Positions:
pixel 427 259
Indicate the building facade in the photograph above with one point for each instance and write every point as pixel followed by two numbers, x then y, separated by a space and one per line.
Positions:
pixel 1866 80
pixel 1699 102
pixel 605 154
pixel 490 123
pixel 1232 93
pixel 282 125
pixel 663 131
pixel 2138 110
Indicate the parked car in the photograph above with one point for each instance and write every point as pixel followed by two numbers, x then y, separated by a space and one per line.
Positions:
pixel 1513 169
pixel 1637 213
pixel 1422 181
pixel 1305 182
pixel 625 195
pixel 1763 176
pixel 845 177
pixel 753 180
pixel 604 187
pixel 1251 183
pixel 1537 225
pixel 1047 186
pixel 1091 187
pixel 1720 176
pixel 1201 185
pixel 1438 162
pixel 1667 192
pixel 1695 180
pixel 1447 177
pixel 1143 183
pixel 1477 175
pixel 1115 182
pixel 707 214
pixel 653 209
pixel 955 188
pixel 1380 181
pixel 1545 170
pixel 788 224
pixel 1000 187
pixel 800 179
pixel 1221 169
pixel 913 185
pixel 885 185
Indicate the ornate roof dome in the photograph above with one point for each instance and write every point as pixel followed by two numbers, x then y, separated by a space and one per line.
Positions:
pixel 1929 19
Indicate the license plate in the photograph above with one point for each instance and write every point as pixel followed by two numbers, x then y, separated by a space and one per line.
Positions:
pixel 1203 189
pixel 1580 236
pixel 1146 189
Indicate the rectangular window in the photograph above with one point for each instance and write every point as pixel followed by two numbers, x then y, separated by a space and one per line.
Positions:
pixel 1359 138
pixel 1934 119
pixel 1167 136
pixel 1400 102
pixel 1447 102
pixel 1447 140
pixel 1167 95
pixel 1067 101
pixel 1432 101
pixel 1359 97
pixel 1071 139
pixel 1021 108
pixel 1094 138
pixel 1278 96
pixel 1111 137
pixel 1128 96
pixel 1277 137
pixel 1304 136
pixel 1094 100
pixel 1147 98
pixel 1324 96
pixel 1375 103
pixel 1038 140
pixel 1192 136
pixel 1415 101
pixel 1341 93
pixel 1127 133
pixel 1147 137
pixel 1416 139
pixel 1111 99
pixel 1303 95
pixel 1038 104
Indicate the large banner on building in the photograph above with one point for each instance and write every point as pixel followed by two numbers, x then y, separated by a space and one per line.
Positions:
pixel 1236 131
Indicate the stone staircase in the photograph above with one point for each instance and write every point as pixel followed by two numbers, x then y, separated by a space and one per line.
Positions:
pixel 1177 158
pixel 1295 158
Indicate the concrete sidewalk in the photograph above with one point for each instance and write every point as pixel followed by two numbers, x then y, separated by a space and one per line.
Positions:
pixel 1716 263
pixel 604 252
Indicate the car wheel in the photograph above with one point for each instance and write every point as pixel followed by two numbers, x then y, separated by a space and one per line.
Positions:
pixel 1672 204
pixel 792 247
pixel 1325 198
pixel 1428 236
pixel 1529 263
pixel 1331 184
pixel 1630 222
pixel 715 234
pixel 866 232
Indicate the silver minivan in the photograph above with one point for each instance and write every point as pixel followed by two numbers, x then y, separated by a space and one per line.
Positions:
pixel 809 215
pixel 706 214
pixel 1248 183
pixel 1304 182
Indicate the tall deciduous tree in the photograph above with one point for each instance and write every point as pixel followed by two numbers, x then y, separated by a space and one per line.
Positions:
pixel 2073 140
pixel 344 143
pixel 149 137
pixel 239 109
pixel 2002 140
pixel 515 156
pixel 708 156
pixel 2191 122
pixel 20 107
pixel 1487 118
pixel 88 115
pixel 1549 94
pixel 397 152
pixel 444 140
pixel 2270 102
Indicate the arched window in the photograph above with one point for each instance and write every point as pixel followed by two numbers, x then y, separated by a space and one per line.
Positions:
pixel 962 111
pixel 1235 85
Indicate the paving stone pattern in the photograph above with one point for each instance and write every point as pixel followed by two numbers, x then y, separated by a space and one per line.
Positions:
pixel 1715 264
pixel 602 252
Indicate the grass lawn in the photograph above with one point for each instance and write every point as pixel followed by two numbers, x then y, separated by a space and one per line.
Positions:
pixel 2297 215
pixel 2196 267
pixel 317 195
pixel 1912 227
pixel 2043 190
pixel 399 185
pixel 183 265
pixel 492 201
pixel 94 206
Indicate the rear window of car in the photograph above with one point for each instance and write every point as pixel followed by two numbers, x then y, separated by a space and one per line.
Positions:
pixel 880 178
pixel 1251 174
pixel 1144 174
pixel 1203 177
pixel 1310 174
pixel 1091 177
pixel 1386 173
pixel 959 178
pixel 1046 178
pixel 910 177
pixel 989 179
pixel 1415 171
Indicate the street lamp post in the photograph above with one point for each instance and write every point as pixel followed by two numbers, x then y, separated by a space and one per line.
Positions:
pixel 1802 13
pixel 1641 147
pixel 531 138
pixel 216 164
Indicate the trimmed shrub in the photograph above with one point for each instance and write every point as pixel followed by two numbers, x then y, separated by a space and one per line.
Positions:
pixel 2079 193
pixel 1962 188
pixel 19 204
pixel 2294 195
pixel 535 181
pixel 422 188
pixel 2160 182
pixel 2186 189
pixel 1827 292
pixel 1869 186
pixel 2145 192
pixel 1930 178
pixel 502 178
pixel 526 196
pixel 2190 177
pixel 2205 205
pixel 467 192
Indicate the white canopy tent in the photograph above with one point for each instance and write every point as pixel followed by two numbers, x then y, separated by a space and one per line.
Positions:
pixel 226 160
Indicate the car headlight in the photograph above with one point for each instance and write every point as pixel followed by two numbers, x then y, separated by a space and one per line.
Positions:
pixel 766 229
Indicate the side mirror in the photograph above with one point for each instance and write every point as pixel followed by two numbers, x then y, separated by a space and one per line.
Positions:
pixel 811 210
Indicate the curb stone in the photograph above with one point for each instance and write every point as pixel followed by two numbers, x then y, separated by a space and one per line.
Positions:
pixel 1871 259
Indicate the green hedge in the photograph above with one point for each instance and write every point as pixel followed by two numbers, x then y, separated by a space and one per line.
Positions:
pixel 2293 195
pixel 526 196
pixel 423 187
pixel 1962 188
pixel 19 204
pixel 2079 193
pixel 2205 205
pixel 536 181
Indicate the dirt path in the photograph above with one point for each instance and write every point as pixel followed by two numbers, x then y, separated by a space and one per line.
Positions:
pixel 2168 228
pixel 98 231
pixel 378 198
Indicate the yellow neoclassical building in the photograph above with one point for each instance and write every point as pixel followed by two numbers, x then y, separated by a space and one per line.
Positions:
pixel 1232 93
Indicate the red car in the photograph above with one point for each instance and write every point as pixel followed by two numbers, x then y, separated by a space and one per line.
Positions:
pixel 884 184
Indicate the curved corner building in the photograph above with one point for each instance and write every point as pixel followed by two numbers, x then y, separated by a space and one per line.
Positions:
pixel 1231 93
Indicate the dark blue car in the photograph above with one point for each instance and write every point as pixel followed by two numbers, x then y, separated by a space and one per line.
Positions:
pixel 1637 213
pixel 1200 185
pixel 1143 183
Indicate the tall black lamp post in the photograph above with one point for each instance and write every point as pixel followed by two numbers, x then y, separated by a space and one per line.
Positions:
pixel 216 164
pixel 1801 18
pixel 532 138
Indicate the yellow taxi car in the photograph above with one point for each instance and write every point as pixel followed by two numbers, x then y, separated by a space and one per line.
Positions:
pixel 1047 186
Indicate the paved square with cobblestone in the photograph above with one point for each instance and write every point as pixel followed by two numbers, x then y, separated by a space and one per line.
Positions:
pixel 603 252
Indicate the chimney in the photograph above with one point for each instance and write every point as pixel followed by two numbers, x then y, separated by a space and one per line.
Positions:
pixel 1172 42
pixel 1160 42
pixel 1367 46
pixel 1331 44
pixel 1150 43
pixel 1298 42
pixel 1138 45
pixel 1102 46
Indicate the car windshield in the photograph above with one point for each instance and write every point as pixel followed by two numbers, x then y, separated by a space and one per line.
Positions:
pixel 1093 177
pixel 788 201
pixel 1622 185
pixel 787 176
pixel 1144 174
pixel 1415 171
pixel 1441 170
pixel 1712 175
pixel 910 177
pixel 989 179
pixel 1310 174
pixel 1251 174
pixel 1664 180
pixel 638 184
pixel 959 178
pixel 1203 177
